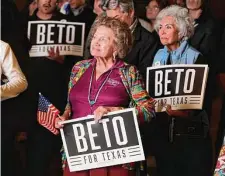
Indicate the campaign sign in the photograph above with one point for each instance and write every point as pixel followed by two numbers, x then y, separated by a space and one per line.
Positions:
pixel 181 86
pixel 67 36
pixel 114 140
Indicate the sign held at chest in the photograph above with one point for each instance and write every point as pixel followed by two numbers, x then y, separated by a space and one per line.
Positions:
pixel 114 140
pixel 181 86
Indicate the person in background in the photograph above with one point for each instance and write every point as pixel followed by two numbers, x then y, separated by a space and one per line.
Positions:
pixel 111 41
pixel 145 44
pixel 13 82
pixel 79 11
pixel 152 10
pixel 206 39
pixel 184 153
pixel 180 3
pixel 221 84
pixel 50 77
pixel 98 7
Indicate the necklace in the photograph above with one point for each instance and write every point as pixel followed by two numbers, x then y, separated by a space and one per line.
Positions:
pixel 92 102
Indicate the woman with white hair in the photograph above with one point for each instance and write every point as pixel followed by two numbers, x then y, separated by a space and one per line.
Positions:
pixel 180 151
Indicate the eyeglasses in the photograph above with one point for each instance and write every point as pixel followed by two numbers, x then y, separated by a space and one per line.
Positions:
pixel 155 8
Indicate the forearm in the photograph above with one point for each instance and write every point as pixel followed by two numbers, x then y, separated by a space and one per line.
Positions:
pixel 14 87
pixel 17 82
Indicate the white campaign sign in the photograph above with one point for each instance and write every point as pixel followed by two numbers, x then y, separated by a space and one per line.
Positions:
pixel 68 37
pixel 181 86
pixel 114 140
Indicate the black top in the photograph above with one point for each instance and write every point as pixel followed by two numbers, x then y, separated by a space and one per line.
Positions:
pixel 144 48
pixel 48 76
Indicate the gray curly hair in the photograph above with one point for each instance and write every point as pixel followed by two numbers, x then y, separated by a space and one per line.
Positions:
pixel 123 37
pixel 184 23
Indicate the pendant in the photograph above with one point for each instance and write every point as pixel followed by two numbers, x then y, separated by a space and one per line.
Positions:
pixel 92 102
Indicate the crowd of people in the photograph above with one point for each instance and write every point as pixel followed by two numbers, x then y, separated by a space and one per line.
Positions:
pixel 119 47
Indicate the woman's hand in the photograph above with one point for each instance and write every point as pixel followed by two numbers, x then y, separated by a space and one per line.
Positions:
pixel 55 55
pixel 58 120
pixel 176 113
pixel 102 110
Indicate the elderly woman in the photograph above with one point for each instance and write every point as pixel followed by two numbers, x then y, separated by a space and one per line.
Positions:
pixel 187 154
pixel 106 83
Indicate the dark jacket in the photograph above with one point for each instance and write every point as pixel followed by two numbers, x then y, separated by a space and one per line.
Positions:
pixel 87 16
pixel 206 39
pixel 144 48
pixel 48 76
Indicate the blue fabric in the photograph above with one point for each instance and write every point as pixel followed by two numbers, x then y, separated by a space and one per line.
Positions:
pixel 185 54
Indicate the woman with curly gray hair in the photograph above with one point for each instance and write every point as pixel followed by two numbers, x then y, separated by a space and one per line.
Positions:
pixel 106 83
pixel 186 148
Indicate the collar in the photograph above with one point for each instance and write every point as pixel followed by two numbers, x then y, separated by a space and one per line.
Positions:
pixel 179 51
pixel 133 26
pixel 78 10
pixel 118 64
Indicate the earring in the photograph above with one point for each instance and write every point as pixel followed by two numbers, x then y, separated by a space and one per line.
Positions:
pixel 114 55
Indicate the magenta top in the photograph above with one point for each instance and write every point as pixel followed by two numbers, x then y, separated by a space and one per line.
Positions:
pixel 113 92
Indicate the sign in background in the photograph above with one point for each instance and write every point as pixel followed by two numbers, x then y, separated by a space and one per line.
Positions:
pixel 114 140
pixel 67 36
pixel 181 86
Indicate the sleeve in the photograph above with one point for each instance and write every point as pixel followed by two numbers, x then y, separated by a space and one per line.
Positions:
pixel 17 82
pixel 147 53
pixel 143 103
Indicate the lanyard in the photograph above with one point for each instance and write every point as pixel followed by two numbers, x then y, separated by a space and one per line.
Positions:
pixel 92 102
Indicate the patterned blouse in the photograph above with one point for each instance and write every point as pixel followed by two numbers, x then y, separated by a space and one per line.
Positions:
pixel 140 99
pixel 220 165
pixel 133 83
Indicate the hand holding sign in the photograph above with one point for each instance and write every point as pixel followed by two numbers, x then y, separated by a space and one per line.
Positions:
pixel 55 55
pixel 101 111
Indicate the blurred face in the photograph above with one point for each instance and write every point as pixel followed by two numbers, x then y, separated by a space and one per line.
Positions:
pixel 168 33
pixel 76 3
pixel 122 16
pixel 152 10
pixel 46 6
pixel 193 4
pixel 180 3
pixel 102 44
pixel 97 9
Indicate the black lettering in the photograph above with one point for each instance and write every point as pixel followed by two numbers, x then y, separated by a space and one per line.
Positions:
pixel 89 158
pixel 186 100
pixel 182 100
pixel 113 155
pixel 108 155
pixel 85 159
pixel 178 100
pixel 95 158
pixel 103 154
pixel 118 154
pixel 124 154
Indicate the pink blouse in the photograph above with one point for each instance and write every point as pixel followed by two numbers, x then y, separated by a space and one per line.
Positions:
pixel 113 92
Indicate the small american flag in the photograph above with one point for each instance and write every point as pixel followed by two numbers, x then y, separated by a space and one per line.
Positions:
pixel 47 114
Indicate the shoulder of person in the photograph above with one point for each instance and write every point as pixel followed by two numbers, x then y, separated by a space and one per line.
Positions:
pixel 159 56
pixel 59 16
pixel 192 54
pixel 3 45
pixel 83 63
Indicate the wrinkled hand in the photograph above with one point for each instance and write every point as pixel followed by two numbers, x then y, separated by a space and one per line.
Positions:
pixel 58 120
pixel 52 55
pixel 176 113
pixel 102 110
